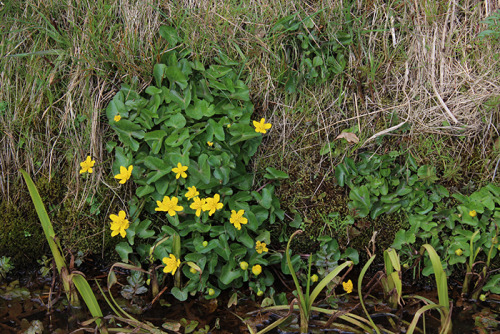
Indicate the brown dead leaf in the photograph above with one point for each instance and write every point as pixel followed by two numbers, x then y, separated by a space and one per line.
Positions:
pixel 349 136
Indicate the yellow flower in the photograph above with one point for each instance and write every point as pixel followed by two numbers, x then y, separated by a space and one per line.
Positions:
pixel 314 278
pixel 119 224
pixel 261 247
pixel 209 143
pixel 459 252
pixel 257 269
pixel 180 170
pixel 244 265
pixel 169 205
pixel 125 174
pixel 212 204
pixel 473 213
pixel 347 286
pixel 87 165
pixel 237 219
pixel 261 126
pixel 171 264
pixel 197 205
pixel 192 192
pixel 117 118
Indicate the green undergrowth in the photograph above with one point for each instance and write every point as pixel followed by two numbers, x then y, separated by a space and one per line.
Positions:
pixel 313 69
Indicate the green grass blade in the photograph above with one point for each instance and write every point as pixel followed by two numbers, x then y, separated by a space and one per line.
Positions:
pixel 328 278
pixel 414 322
pixel 441 281
pixel 360 294
pixel 300 295
pixel 48 230
pixel 88 296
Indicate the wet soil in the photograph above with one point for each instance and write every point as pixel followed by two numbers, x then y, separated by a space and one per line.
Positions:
pixel 35 305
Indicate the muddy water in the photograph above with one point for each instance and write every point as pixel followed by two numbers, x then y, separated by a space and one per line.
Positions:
pixel 35 306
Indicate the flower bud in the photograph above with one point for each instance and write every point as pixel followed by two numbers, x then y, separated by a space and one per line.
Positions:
pixel 193 271
pixel 205 243
pixel 482 297
pixel 257 269
pixel 244 265
pixel 260 293
pixel 314 278
pixel 211 292
pixel 459 252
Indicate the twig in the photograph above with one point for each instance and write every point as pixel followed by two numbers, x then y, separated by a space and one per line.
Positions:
pixel 378 134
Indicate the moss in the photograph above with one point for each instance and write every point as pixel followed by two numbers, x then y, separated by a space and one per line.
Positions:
pixel 22 237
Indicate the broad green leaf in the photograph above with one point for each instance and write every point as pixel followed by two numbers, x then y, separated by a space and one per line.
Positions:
pixel 217 71
pixel 341 174
pixel 177 121
pixel 179 294
pixel 182 100
pixel 228 275
pixel 142 229
pixel 127 131
pixel 144 190
pixel 155 135
pixel 159 73
pixel 177 137
pixel 274 174
pixel 170 35
pixel 123 249
pixel 361 198
pixel 175 75
pixel 218 130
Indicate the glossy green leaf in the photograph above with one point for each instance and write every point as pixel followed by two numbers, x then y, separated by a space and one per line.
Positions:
pixel 123 249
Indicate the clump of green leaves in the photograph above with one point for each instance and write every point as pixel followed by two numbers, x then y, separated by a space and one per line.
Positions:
pixel 198 117
pixel 379 184
pixel 312 56
pixel 493 23
pixel 461 236
pixel 5 266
